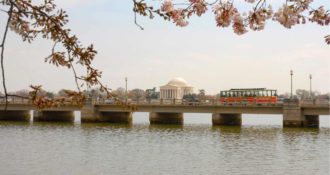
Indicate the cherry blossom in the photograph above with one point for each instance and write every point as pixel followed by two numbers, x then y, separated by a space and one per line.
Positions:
pixel 238 25
pixel 224 14
pixel 167 6
pixel 287 16
pixel 199 6
pixel 257 19
pixel 291 13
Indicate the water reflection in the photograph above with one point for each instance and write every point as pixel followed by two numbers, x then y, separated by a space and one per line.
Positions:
pixel 14 123
pixel 302 130
pixel 53 124
pixel 105 148
pixel 165 128
pixel 95 126
pixel 227 129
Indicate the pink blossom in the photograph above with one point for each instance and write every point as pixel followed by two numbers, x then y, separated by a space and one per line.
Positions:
pixel 287 16
pixel 179 18
pixel 257 18
pixel 199 6
pixel 181 22
pixel 320 16
pixel 224 14
pixel 238 25
pixel 167 6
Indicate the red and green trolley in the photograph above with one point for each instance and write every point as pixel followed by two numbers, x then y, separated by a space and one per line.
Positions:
pixel 249 95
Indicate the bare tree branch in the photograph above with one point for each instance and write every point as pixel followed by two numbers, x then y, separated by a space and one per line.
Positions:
pixel 74 73
pixel 135 21
pixel 2 55
pixel 13 95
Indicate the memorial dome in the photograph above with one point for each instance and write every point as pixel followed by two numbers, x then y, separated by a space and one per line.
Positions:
pixel 179 82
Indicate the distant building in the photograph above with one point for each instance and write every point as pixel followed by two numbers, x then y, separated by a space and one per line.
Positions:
pixel 175 89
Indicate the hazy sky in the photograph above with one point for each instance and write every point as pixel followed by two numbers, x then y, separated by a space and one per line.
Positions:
pixel 206 56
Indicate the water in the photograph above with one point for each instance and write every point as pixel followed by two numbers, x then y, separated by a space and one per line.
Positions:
pixel 260 146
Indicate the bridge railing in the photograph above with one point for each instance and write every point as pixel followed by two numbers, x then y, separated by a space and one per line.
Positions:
pixel 15 101
pixel 21 101
pixel 303 103
pixel 187 103
pixel 314 102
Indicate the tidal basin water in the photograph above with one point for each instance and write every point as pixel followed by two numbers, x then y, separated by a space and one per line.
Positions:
pixel 260 146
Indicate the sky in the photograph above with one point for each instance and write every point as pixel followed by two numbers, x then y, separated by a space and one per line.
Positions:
pixel 206 56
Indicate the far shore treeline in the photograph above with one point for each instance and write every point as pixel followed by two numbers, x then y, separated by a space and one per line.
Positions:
pixel 137 94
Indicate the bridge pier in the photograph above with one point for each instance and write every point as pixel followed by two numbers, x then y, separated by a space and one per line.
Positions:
pixel 312 121
pixel 227 119
pixel 59 116
pixel 165 118
pixel 90 114
pixel 115 117
pixel 15 115
pixel 293 115
pixel 95 116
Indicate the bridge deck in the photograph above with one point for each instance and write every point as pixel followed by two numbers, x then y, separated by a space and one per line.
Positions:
pixel 308 109
pixel 196 109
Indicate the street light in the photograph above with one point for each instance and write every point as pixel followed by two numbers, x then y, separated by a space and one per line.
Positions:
pixel 291 73
pixel 310 85
pixel 126 90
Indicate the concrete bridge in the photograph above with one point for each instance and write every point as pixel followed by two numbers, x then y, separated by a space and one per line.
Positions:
pixel 295 113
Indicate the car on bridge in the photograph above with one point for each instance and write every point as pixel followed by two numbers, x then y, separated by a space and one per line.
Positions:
pixel 190 99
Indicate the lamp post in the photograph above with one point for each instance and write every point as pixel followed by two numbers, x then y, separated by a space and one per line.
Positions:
pixel 126 90
pixel 291 74
pixel 310 85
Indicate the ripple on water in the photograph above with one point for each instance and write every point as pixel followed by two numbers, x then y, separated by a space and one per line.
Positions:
pixel 58 148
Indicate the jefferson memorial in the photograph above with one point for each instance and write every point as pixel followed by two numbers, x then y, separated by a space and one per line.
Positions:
pixel 175 89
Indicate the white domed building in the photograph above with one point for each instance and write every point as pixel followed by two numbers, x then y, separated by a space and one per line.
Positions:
pixel 175 89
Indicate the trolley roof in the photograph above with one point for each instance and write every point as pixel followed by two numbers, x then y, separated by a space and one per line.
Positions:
pixel 250 89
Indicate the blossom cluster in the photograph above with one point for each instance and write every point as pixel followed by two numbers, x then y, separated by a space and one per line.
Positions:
pixel 226 14
pixel 177 15
pixel 320 16
pixel 291 13
pixel 287 16
pixel 30 21
pixel 257 19
pixel 199 6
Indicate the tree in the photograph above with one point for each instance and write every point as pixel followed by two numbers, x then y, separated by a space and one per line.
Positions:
pixel 285 95
pixel 217 96
pixel 302 94
pixel 191 97
pixel 152 94
pixel 120 93
pixel 22 92
pixel 227 13
pixel 305 94
pixel 94 93
pixel 61 93
pixel 201 95
pixel 325 96
pixel 30 21
pixel 50 95
pixel 209 97
pixel 137 94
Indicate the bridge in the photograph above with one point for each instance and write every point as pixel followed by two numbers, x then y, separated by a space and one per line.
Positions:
pixel 295 113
